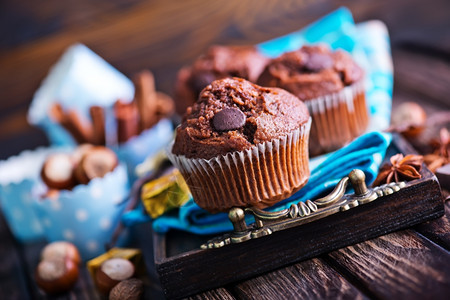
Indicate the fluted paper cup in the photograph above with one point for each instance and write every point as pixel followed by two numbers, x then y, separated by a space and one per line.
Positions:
pixel 338 118
pixel 86 215
pixel 18 177
pixel 260 176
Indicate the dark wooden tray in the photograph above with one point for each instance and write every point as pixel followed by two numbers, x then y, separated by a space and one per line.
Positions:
pixel 184 269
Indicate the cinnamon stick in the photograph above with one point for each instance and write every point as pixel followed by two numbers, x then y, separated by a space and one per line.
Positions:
pixel 164 105
pixel 98 123
pixel 56 112
pixel 81 131
pixel 146 99
pixel 127 120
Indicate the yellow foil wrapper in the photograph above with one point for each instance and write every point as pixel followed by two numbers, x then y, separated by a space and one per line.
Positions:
pixel 165 193
pixel 133 255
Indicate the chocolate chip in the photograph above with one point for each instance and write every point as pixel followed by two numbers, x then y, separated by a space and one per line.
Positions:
pixel 228 119
pixel 317 62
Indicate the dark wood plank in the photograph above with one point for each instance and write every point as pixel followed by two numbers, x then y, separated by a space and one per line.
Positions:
pixel 140 237
pixel 427 77
pixel 311 279
pixel 33 20
pixel 13 282
pixel 438 230
pixel 217 294
pixel 401 265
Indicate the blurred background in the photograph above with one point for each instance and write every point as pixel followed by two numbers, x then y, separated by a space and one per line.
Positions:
pixel 164 35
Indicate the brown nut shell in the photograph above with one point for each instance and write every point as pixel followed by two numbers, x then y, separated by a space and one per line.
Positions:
pixel 409 118
pixel 61 250
pixel 57 171
pixel 96 162
pixel 111 272
pixel 55 276
pixel 130 289
pixel 79 152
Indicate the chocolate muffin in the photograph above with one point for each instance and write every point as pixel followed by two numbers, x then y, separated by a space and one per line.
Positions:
pixel 243 145
pixel 331 84
pixel 217 63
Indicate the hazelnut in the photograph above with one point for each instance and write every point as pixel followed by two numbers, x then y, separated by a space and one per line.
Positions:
pixel 56 275
pixel 57 171
pixel 96 162
pixel 79 152
pixel 409 118
pixel 111 272
pixel 130 289
pixel 61 250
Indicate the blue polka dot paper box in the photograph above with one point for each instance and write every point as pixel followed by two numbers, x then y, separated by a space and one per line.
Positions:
pixel 19 176
pixel 88 214
pixel 82 79
pixel 78 80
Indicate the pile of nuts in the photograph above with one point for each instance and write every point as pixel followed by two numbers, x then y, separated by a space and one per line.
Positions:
pixel 58 270
pixel 66 170
pixel 114 277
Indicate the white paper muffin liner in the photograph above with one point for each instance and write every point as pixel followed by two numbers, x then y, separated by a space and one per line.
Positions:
pixel 338 118
pixel 18 177
pixel 260 176
pixel 88 214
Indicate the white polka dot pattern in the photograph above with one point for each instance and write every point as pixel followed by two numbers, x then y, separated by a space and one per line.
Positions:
pixel 69 234
pixel 81 215
pixel 105 223
pixel 96 192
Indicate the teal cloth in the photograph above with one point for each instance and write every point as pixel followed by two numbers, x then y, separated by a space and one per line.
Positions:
pixel 365 153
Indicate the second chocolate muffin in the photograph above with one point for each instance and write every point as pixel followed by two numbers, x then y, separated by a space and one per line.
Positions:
pixel 217 63
pixel 331 84
pixel 243 145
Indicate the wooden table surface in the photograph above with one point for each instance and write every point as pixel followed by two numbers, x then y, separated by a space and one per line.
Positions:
pixel 162 36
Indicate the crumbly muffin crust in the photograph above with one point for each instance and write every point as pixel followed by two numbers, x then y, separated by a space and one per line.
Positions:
pixel 311 72
pixel 267 114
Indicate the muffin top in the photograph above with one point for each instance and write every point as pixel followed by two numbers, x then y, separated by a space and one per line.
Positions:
pixel 233 114
pixel 217 63
pixel 311 72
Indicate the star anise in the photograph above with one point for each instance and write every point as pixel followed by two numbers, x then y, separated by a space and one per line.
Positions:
pixel 441 154
pixel 399 169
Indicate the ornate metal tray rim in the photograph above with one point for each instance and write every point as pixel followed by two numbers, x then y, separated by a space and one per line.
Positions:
pixel 267 223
